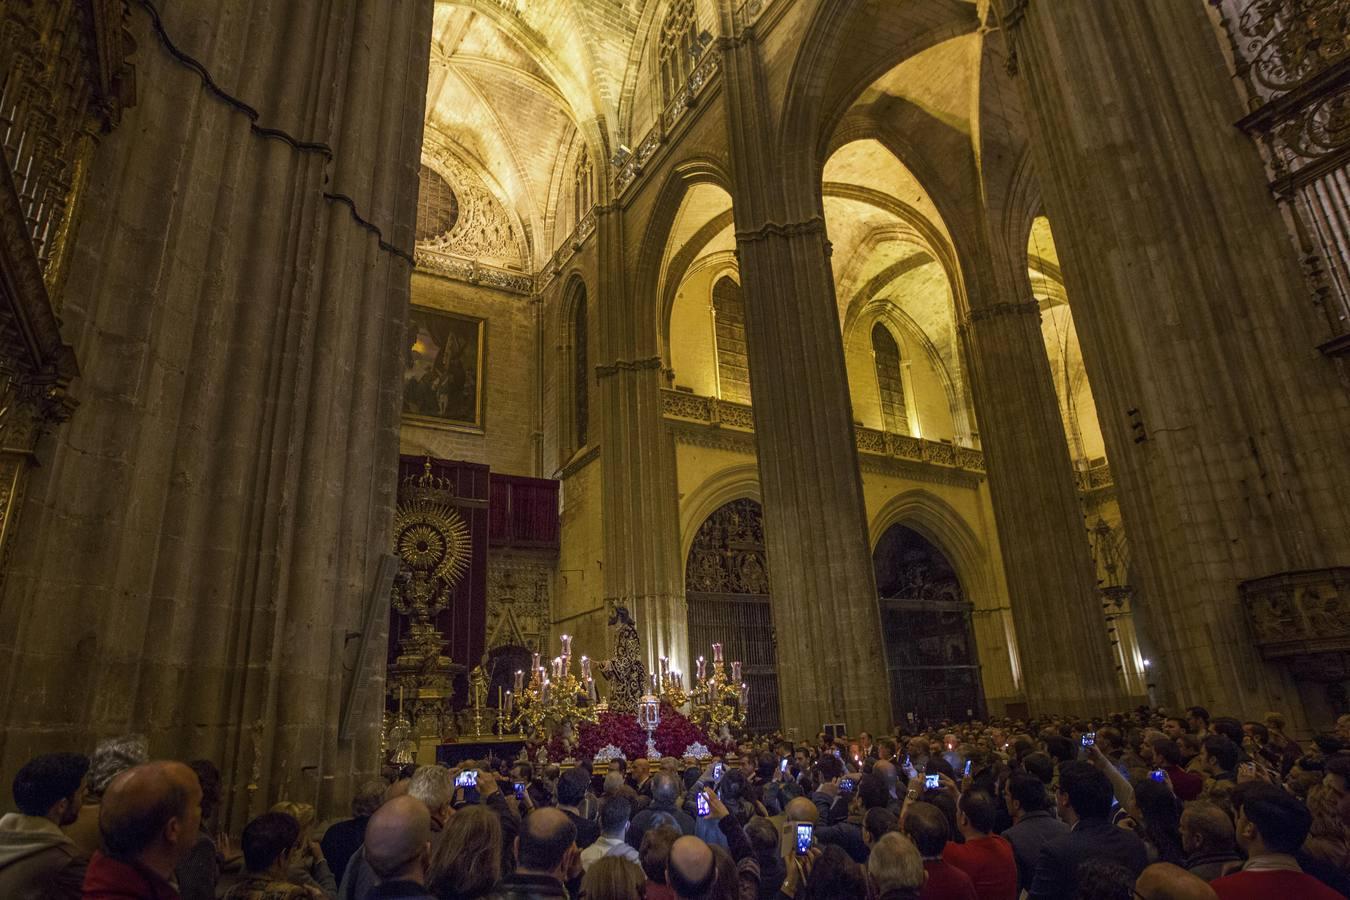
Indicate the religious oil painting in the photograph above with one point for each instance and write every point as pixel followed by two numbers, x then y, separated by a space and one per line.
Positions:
pixel 443 369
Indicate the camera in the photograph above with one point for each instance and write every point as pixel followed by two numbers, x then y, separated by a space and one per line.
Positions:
pixel 805 834
pixel 467 779
pixel 931 782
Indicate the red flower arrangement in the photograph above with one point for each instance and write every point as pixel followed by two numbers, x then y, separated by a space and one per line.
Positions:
pixel 673 736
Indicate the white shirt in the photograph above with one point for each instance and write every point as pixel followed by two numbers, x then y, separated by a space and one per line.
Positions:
pixel 607 846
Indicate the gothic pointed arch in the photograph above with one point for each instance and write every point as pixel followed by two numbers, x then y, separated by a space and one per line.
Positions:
pixel 577 368
pixel 733 364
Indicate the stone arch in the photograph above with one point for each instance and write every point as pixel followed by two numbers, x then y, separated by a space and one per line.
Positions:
pixel 820 89
pixel 644 285
pixel 940 523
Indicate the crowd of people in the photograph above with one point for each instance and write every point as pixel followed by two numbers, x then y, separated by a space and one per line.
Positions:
pixel 1138 805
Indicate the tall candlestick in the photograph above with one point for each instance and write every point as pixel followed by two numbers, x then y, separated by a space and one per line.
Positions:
pixel 557 667
pixel 591 691
pixel 736 670
pixel 664 667
pixel 510 704
pixel 717 653
pixel 536 661
pixel 701 672
pixel 544 692
pixel 567 645
pixel 400 699
pixel 520 681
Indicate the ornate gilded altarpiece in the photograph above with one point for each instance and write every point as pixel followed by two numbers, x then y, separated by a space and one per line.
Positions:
pixel 65 81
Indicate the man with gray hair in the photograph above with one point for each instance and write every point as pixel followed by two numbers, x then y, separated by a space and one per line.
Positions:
pixel 112 756
pixel 435 787
pixel 896 868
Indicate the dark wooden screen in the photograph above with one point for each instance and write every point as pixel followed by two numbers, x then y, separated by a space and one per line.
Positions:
pixel 523 512
pixel 727 586
pixel 925 619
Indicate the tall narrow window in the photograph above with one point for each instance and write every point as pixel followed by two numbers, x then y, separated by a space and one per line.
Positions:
pixel 733 365
pixel 582 187
pixel 679 31
pixel 580 373
pixel 890 386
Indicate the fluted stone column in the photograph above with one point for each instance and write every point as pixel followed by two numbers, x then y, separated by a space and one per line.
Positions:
pixel 831 667
pixel 1227 431
pixel 1061 635
pixel 200 541
pixel 643 569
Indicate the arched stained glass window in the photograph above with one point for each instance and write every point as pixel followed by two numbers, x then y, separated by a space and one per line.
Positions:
pixel 733 364
pixel 890 385
pixel 679 32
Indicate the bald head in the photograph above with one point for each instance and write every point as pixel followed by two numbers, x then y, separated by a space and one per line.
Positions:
pixel 691 868
pixel 800 809
pixel 887 771
pixel 546 835
pixel 398 839
pixel 1164 881
pixel 151 814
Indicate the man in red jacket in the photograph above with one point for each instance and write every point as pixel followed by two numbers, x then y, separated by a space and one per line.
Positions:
pixel 1271 826
pixel 985 857
pixel 149 821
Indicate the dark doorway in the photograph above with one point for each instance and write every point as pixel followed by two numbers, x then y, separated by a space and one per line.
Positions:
pixel 726 582
pixel 925 618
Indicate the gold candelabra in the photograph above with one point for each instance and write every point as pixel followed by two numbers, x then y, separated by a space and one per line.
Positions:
pixel 669 685
pixel 719 701
pixel 551 702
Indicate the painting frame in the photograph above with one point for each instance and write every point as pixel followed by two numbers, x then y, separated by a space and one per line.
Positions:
pixel 437 391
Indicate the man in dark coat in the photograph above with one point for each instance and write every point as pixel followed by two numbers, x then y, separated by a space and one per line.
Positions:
pixel 1084 799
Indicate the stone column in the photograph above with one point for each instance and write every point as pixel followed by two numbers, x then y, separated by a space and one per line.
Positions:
pixel 202 539
pixel 643 569
pixel 1226 430
pixel 1061 635
pixel 831 666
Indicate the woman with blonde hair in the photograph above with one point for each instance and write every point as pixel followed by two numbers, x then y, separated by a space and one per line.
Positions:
pixel 466 861
pixel 613 878
pixel 308 867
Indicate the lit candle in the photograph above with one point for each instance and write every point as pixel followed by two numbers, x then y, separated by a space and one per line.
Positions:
pixel 544 691
pixel 567 645
pixel 736 670
pixel 585 668
pixel 591 691
pixel 679 681
pixel 655 687
pixel 702 675
pixel 510 702
pixel 717 653
pixel 520 681
pixel 745 694
pixel 557 667
pixel 664 669
pixel 536 661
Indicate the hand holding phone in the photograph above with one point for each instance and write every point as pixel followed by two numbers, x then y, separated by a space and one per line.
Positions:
pixel 932 782
pixel 520 790
pixel 1158 775
pixel 1089 739
pixel 467 779
pixel 805 837
pixel 847 785
pixel 701 804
